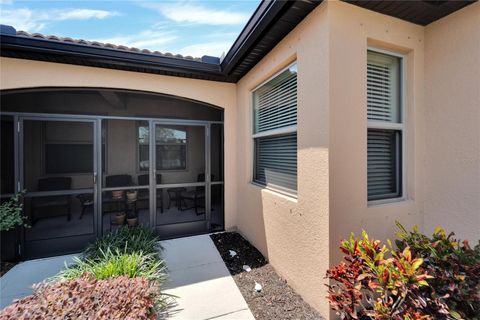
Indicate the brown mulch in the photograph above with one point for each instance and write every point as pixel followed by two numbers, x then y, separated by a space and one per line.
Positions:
pixel 277 300
pixel 5 266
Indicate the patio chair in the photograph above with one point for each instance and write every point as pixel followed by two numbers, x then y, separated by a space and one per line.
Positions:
pixel 175 196
pixel 86 201
pixel 118 180
pixel 144 195
pixel 196 196
pixel 52 206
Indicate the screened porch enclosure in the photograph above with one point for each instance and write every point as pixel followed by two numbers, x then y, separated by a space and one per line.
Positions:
pixel 92 161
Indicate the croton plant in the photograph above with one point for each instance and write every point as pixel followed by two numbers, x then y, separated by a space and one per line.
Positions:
pixel 423 278
pixel 455 270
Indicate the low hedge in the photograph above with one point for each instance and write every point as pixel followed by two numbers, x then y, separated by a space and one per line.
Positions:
pixel 89 298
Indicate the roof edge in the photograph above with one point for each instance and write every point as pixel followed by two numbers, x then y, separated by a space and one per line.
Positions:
pixel 71 52
pixel 269 24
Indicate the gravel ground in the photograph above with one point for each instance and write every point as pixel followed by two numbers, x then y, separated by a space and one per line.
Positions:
pixel 276 300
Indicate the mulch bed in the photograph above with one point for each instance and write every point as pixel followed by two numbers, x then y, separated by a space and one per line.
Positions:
pixel 276 300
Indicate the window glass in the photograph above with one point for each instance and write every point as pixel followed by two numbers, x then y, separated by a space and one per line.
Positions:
pixel 68 147
pixel 275 102
pixel 275 131
pixel 7 160
pixel 383 82
pixel 384 169
pixel 385 126
pixel 171 148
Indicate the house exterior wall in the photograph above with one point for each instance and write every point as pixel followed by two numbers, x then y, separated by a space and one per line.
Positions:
pixel 292 232
pixel 330 47
pixel 21 74
pixel 300 235
pixel 452 100
pixel 352 31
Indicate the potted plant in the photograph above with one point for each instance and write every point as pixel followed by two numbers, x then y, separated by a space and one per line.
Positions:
pixel 117 194
pixel 119 218
pixel 131 195
pixel 11 218
pixel 132 218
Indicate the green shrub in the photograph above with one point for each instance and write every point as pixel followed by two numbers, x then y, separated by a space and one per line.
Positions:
pixel 90 298
pixel 117 277
pixel 115 264
pixel 11 213
pixel 377 282
pixel 455 267
pixel 126 240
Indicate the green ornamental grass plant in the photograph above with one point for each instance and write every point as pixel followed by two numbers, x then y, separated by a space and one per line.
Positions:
pixel 128 251
pixel 116 263
pixel 126 240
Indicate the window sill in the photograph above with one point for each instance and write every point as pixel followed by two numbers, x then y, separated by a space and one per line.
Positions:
pixel 290 195
pixel 390 201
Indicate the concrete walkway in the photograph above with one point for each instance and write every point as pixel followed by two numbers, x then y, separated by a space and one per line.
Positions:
pixel 17 282
pixel 201 281
pixel 198 277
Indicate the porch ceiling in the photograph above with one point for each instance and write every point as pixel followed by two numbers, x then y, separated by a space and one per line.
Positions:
pixel 421 12
pixel 269 24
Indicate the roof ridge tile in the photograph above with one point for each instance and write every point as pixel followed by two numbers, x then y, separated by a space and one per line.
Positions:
pixel 111 46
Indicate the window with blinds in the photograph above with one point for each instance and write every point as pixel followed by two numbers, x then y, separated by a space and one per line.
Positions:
pixel 385 126
pixel 275 131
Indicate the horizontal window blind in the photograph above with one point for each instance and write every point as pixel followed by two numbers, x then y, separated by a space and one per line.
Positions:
pixel 383 79
pixel 276 160
pixel 384 150
pixel 384 169
pixel 275 107
pixel 275 102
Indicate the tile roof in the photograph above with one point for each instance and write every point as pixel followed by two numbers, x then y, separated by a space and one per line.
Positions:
pixel 104 45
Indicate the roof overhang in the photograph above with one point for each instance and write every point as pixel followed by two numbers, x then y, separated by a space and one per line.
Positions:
pixel 420 12
pixel 63 52
pixel 270 23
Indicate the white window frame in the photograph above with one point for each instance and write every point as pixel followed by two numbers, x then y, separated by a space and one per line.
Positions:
pixel 270 133
pixel 372 124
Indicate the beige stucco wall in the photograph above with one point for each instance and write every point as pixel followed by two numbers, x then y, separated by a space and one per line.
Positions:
pixel 301 236
pixel 452 100
pixel 18 73
pixel 353 30
pixel 292 233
